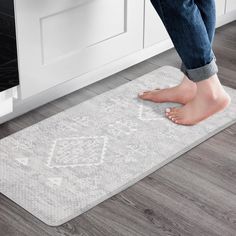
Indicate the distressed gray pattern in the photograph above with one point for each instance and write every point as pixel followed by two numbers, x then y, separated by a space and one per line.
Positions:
pixel 70 162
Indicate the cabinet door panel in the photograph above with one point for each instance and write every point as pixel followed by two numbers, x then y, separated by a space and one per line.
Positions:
pixel 60 40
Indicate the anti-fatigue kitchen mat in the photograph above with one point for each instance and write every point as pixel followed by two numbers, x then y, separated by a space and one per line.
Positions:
pixel 68 163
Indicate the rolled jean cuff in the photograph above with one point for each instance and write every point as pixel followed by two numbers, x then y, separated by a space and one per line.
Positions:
pixel 183 69
pixel 201 73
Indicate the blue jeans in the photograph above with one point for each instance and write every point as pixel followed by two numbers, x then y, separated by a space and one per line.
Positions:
pixel 191 27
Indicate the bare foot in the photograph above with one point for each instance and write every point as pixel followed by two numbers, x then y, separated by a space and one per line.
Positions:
pixel 210 99
pixel 181 93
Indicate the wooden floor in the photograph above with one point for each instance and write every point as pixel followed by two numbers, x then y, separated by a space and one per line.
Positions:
pixel 194 195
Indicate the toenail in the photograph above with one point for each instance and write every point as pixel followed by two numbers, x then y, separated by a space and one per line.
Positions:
pixel 167 109
pixel 170 117
pixel 140 94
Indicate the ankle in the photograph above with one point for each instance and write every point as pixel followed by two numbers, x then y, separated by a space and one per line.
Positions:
pixel 211 88
pixel 187 84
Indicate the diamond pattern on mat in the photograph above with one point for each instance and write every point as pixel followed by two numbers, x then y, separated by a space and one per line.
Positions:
pixel 122 126
pixel 77 151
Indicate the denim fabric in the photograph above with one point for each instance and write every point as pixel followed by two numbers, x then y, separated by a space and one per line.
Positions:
pixel 191 27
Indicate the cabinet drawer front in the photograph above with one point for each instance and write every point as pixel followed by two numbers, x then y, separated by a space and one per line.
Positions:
pixel 63 39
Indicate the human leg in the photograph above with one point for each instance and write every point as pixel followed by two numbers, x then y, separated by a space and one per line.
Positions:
pixel 185 25
pixel 208 14
pixel 189 35
pixel 181 93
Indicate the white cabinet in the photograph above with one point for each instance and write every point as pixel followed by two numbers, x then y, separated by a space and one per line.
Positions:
pixel 63 39
pixel 155 31
pixel 220 7
pixel 231 5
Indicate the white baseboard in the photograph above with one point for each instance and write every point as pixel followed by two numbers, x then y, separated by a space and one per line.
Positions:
pixel 22 106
